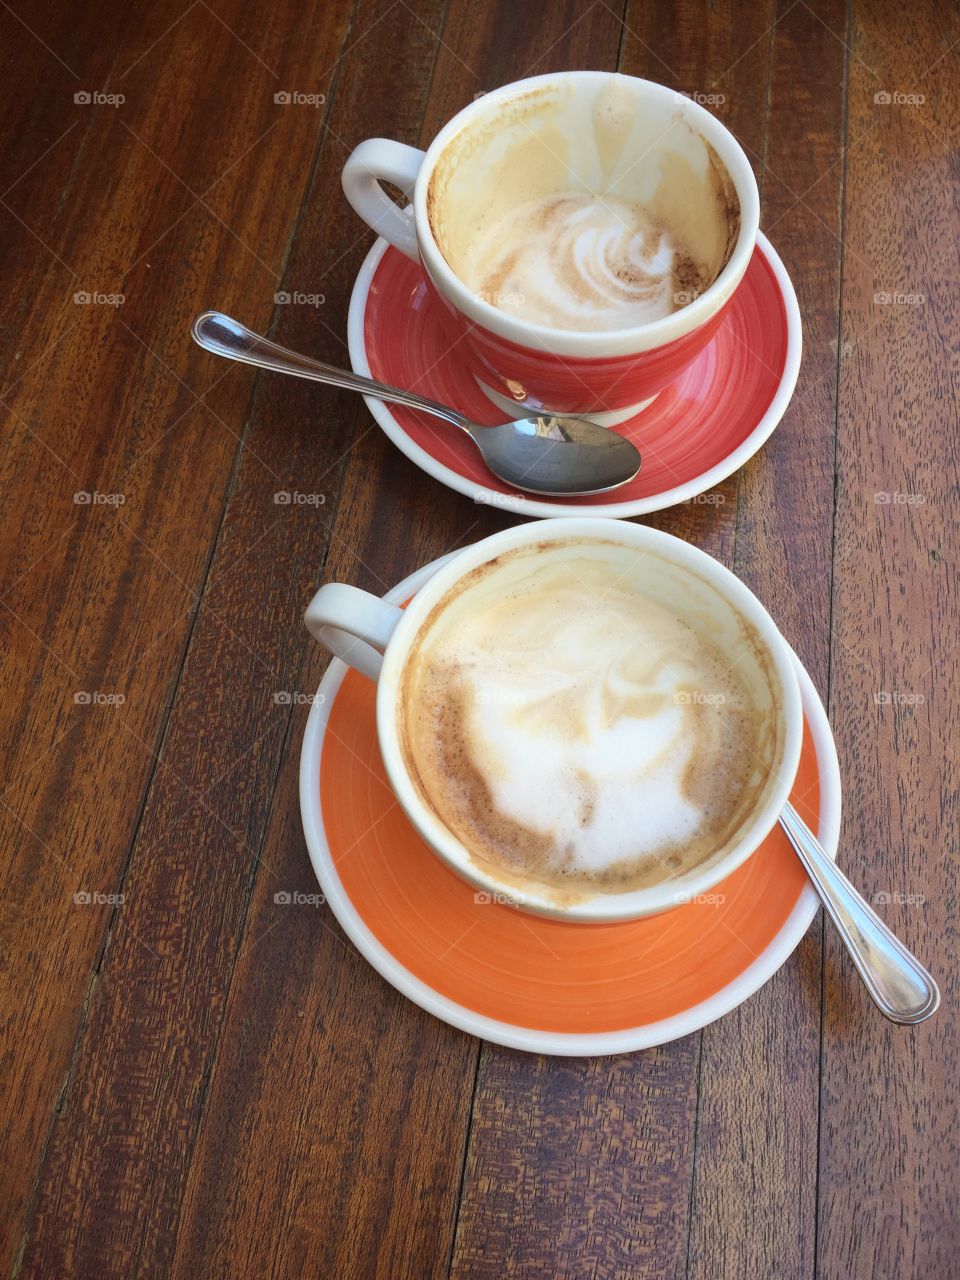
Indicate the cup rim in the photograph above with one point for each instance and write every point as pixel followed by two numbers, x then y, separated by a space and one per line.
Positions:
pixel 605 342
pixel 636 903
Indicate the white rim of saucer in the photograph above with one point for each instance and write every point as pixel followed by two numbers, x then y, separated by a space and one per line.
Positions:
pixel 511 1034
pixel 528 505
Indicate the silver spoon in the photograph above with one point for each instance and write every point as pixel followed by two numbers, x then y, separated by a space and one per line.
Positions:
pixel 899 984
pixel 546 453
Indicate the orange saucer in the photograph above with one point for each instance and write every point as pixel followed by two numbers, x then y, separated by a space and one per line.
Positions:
pixel 519 979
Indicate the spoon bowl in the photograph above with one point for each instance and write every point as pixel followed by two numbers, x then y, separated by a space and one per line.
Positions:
pixel 552 453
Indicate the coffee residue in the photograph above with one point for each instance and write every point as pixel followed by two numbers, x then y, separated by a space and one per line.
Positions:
pixel 572 733
pixel 583 262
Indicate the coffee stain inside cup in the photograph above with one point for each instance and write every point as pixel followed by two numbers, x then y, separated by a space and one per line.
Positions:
pixel 580 209
pixel 585 721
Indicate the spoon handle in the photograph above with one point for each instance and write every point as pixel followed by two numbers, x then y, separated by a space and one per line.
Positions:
pixel 899 984
pixel 229 338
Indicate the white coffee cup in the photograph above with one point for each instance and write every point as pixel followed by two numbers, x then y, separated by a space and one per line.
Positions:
pixel 375 638
pixel 609 373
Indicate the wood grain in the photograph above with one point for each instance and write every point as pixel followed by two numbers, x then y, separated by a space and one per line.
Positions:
pixel 888 1150
pixel 100 598
pixel 200 1080
pixel 115 596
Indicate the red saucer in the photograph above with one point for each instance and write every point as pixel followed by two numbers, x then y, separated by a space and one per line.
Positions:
pixel 694 434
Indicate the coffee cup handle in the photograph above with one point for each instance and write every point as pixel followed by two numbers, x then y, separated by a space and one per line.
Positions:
pixel 376 160
pixel 354 625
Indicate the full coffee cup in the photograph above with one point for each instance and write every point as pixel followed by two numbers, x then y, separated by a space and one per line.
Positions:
pixel 594 721
pixel 583 233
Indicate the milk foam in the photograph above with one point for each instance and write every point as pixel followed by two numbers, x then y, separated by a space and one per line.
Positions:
pixel 569 728
pixel 576 261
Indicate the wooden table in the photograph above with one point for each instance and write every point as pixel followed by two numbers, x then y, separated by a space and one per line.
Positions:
pixel 199 1083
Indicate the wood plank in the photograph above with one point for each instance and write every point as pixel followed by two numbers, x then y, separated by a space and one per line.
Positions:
pixel 109 606
pixel 583 1167
pixel 753 1207
pixel 889 1150
pixel 99 598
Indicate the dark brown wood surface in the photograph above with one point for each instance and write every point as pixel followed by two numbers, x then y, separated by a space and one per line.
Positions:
pixel 197 1082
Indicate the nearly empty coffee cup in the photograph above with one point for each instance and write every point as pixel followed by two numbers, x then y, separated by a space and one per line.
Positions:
pixel 583 231
pixel 596 720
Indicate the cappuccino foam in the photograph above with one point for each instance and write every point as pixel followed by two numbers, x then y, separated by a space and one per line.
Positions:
pixel 573 732
pixel 576 261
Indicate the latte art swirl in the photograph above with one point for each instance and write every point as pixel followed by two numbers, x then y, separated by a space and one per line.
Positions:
pixel 571 730
pixel 582 262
